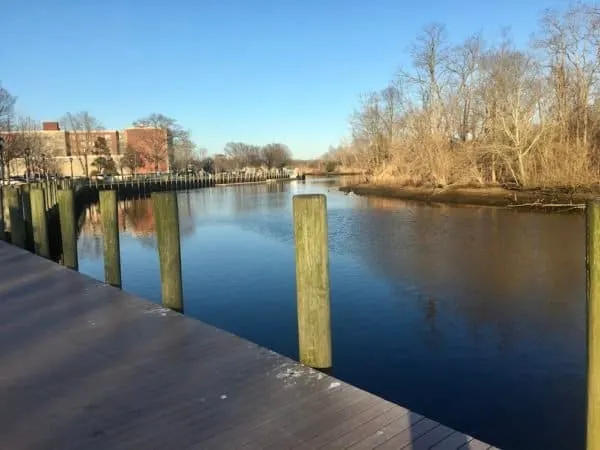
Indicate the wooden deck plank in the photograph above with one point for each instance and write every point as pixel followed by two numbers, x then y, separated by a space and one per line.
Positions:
pixel 402 438
pixel 255 427
pixel 452 442
pixel 429 439
pixel 326 419
pixel 306 421
pixel 474 444
pixel 365 430
pixel 405 422
pixel 357 416
pixel 85 365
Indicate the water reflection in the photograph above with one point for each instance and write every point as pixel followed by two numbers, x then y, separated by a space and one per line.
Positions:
pixel 492 263
pixel 473 316
pixel 135 220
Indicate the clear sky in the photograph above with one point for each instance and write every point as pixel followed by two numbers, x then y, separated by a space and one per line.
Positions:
pixel 256 71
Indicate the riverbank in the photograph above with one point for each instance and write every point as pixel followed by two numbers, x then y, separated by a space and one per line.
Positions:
pixel 540 199
pixel 317 173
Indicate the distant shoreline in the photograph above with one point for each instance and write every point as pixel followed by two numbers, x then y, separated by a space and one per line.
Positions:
pixel 518 199
pixel 330 174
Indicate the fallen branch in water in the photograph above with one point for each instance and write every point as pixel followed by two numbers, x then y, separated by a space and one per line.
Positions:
pixel 549 205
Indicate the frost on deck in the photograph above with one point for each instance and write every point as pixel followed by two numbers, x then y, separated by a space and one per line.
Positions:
pixel 86 365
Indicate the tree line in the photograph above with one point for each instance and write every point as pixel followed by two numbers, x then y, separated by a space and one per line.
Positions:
pixel 239 156
pixel 475 113
pixel 94 155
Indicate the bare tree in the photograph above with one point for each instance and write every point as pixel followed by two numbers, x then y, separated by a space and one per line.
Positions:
pixel 7 103
pixel 466 113
pixel 517 125
pixel 243 155
pixel 429 74
pixel 571 41
pixel 276 156
pixel 223 163
pixel 167 144
pixel 23 143
pixel 373 125
pixel 82 128
pixel 184 151
pixel 463 67
pixel 131 159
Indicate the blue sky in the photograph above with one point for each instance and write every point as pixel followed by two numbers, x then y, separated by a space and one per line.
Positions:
pixel 256 71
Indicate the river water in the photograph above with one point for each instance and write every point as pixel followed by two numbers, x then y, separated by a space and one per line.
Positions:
pixel 474 317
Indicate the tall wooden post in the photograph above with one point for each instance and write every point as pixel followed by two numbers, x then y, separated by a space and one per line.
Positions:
pixel 166 217
pixel 27 215
pixel 109 216
pixel 593 325
pixel 18 231
pixel 53 196
pixel 68 228
pixel 46 192
pixel 2 221
pixel 41 243
pixel 312 280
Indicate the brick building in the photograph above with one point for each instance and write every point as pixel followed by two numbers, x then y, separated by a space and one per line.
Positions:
pixel 155 145
pixel 69 153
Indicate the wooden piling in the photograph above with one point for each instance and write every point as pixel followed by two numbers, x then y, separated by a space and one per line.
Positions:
pixel 27 215
pixel 593 325
pixel 2 221
pixel 312 280
pixel 166 218
pixel 18 231
pixel 41 244
pixel 109 216
pixel 44 185
pixel 53 192
pixel 68 228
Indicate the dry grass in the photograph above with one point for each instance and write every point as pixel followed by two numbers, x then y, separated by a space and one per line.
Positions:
pixel 435 164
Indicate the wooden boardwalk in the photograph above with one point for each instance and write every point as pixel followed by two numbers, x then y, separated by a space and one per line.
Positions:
pixel 87 366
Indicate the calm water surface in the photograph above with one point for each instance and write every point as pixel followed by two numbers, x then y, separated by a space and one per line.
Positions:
pixel 473 317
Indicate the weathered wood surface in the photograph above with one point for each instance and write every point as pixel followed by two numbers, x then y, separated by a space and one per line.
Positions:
pixel 68 228
pixel 109 217
pixel 593 325
pixel 37 206
pixel 166 217
pixel 18 227
pixel 312 280
pixel 85 365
